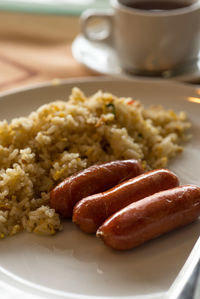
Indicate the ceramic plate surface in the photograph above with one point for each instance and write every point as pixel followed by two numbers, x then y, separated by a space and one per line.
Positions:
pixel 72 264
pixel 102 58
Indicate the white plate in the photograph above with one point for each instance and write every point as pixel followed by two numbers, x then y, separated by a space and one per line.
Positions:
pixel 102 58
pixel 75 265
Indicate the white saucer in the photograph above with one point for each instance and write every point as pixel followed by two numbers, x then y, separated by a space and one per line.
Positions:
pixel 103 59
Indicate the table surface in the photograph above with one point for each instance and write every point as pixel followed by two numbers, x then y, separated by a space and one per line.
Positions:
pixel 39 51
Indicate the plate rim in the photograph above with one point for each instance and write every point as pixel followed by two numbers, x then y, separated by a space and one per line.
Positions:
pixel 94 79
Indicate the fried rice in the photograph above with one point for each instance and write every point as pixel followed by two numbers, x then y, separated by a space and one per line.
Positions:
pixel 63 137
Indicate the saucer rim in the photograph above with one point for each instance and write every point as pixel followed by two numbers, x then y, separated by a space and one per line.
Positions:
pixel 186 77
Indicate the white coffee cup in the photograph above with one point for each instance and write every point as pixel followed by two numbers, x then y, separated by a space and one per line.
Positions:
pixel 149 41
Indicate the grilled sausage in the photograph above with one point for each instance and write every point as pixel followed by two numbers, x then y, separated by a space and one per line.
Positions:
pixel 151 217
pixel 92 180
pixel 92 211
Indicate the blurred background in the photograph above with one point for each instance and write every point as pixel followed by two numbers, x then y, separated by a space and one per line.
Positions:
pixel 36 38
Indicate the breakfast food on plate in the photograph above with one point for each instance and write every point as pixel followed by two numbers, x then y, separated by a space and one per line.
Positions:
pixel 94 179
pixel 151 217
pixel 92 211
pixel 61 138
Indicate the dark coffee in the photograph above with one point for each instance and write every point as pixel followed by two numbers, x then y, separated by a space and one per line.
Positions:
pixel 156 5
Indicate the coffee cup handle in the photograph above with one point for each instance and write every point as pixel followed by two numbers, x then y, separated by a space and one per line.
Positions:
pixel 105 34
